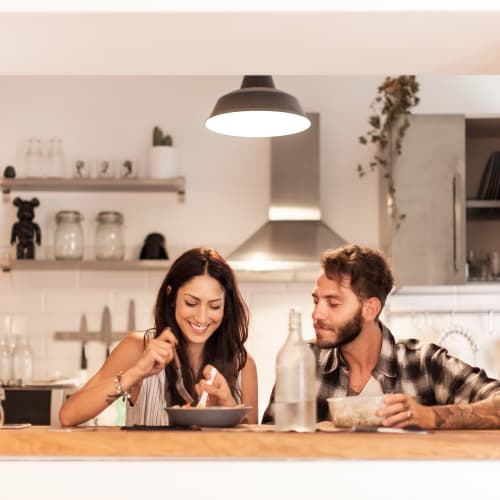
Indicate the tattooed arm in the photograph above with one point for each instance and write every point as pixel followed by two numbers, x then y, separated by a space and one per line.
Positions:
pixel 401 410
pixel 481 415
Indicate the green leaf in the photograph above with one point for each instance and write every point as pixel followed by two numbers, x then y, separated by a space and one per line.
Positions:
pixel 362 140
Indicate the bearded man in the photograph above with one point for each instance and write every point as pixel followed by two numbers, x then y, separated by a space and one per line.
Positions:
pixel 357 355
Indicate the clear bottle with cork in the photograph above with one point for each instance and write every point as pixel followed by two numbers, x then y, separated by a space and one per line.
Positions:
pixel 295 390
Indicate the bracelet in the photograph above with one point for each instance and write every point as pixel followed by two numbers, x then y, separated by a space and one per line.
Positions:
pixel 119 389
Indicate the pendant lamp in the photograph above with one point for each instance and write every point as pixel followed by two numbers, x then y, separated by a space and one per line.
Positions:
pixel 257 109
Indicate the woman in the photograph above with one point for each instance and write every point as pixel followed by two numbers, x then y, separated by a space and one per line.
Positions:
pixel 201 316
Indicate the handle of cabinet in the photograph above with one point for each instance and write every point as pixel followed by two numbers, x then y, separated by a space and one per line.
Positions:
pixel 455 222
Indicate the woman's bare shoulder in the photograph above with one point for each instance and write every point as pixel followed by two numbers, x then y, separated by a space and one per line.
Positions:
pixel 135 341
pixel 250 363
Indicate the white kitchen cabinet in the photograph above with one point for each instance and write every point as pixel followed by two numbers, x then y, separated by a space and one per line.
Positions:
pixel 429 247
pixel 437 181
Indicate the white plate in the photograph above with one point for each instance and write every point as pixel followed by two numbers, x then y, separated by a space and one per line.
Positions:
pixel 215 416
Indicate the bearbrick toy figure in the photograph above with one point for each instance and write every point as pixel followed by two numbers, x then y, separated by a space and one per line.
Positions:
pixel 25 232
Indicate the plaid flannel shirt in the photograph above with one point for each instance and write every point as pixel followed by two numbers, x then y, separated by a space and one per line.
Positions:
pixel 425 372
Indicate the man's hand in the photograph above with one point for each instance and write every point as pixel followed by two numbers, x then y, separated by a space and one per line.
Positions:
pixel 400 410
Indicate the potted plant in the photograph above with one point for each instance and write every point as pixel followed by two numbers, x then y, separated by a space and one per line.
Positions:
pixel 162 158
pixel 389 123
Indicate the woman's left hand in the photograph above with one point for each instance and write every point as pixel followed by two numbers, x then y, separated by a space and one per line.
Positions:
pixel 218 391
pixel 400 410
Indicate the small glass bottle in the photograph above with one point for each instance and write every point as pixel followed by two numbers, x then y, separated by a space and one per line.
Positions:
pixel 29 160
pixel 39 159
pixel 109 240
pixel 5 362
pixel 22 360
pixel 68 241
pixel 55 159
pixel 295 391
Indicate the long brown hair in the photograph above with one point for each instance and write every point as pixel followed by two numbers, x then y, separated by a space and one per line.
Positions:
pixel 225 348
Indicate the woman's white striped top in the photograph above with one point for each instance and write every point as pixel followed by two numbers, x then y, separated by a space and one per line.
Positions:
pixel 149 409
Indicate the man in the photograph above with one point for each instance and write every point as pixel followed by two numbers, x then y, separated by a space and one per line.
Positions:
pixel 358 355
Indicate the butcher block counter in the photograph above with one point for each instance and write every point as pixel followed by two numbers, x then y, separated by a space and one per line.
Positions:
pixel 54 463
pixel 112 442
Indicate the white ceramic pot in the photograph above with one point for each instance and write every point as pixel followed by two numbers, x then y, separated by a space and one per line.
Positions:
pixel 162 162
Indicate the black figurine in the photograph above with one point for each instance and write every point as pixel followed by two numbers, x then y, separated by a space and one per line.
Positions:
pixel 25 231
pixel 154 247
pixel 9 172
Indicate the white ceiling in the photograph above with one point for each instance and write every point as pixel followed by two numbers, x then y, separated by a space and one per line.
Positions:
pixel 214 43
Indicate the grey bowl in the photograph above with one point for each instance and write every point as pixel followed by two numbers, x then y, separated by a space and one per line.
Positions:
pixel 207 417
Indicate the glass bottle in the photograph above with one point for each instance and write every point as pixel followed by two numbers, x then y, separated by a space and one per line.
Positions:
pixel 39 160
pixel 5 362
pixel 22 360
pixel 55 159
pixel 109 236
pixel 295 391
pixel 68 241
pixel 29 160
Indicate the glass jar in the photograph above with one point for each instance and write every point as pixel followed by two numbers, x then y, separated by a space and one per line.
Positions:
pixel 68 243
pixel 109 236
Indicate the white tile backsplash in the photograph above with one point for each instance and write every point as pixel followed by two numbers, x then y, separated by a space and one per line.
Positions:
pixel 39 280
pixel 123 279
pixel 77 301
pixel 15 301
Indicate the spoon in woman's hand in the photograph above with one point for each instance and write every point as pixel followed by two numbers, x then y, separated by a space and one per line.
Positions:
pixel 204 395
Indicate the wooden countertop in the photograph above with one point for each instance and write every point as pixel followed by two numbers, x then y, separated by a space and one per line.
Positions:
pixel 113 442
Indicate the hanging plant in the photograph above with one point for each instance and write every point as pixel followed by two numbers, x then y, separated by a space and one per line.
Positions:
pixel 389 123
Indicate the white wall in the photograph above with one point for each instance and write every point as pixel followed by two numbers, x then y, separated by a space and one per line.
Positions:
pixel 226 194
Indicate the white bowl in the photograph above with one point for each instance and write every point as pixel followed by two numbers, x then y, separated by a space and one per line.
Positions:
pixel 354 411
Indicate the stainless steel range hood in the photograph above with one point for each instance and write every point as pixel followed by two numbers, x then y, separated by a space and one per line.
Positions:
pixel 295 236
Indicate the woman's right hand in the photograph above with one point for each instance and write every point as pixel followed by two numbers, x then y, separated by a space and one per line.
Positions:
pixel 159 352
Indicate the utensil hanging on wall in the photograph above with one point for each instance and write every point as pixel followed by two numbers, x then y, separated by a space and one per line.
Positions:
pixel 106 332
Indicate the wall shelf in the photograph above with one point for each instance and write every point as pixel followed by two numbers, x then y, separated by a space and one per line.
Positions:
pixel 175 184
pixel 84 265
pixel 483 209
pixel 9 265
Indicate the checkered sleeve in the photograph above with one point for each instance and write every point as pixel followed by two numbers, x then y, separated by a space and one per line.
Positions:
pixel 454 381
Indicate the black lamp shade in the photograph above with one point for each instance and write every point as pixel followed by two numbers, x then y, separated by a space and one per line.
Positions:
pixel 257 109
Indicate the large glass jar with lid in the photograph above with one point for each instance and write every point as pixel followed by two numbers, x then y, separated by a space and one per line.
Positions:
pixel 109 240
pixel 68 242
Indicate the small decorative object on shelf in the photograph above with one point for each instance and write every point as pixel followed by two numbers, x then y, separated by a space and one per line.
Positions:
pixel 109 236
pixel 68 239
pixel 154 247
pixel 25 232
pixel 9 172
pixel 128 169
pixel 162 162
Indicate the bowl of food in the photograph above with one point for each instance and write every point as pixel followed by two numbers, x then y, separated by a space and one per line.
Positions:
pixel 211 416
pixel 354 411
